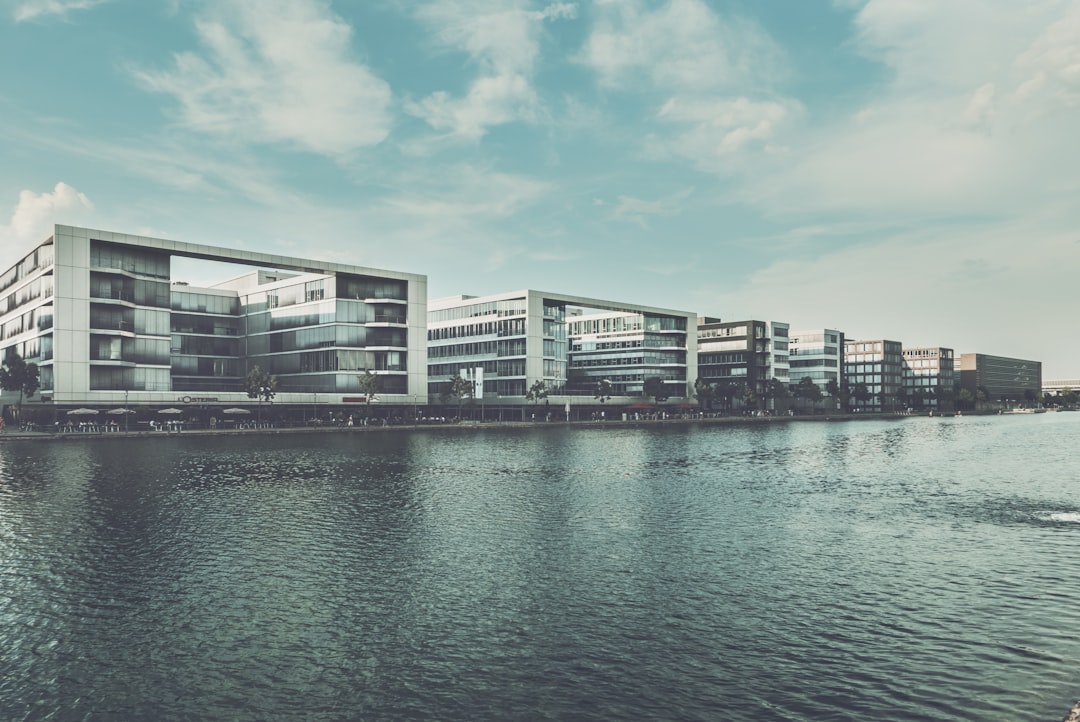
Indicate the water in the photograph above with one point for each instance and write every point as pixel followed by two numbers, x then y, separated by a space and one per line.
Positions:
pixel 923 569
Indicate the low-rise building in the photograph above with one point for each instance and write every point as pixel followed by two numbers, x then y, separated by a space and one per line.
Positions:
pixel 930 378
pixel 873 371
pixel 1005 381
pixel 738 359
pixel 570 343
pixel 105 322
pixel 817 354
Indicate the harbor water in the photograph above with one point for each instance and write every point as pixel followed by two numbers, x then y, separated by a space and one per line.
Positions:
pixel 912 569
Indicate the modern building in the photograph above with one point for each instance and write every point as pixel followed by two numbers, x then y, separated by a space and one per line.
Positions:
pixel 877 366
pixel 1005 381
pixel 625 348
pixel 568 342
pixel 930 378
pixel 739 358
pixel 817 354
pixel 105 321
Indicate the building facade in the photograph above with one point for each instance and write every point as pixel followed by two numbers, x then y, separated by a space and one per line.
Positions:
pixel 739 358
pixel 817 354
pixel 1005 381
pixel 521 337
pixel 878 367
pixel 627 348
pixel 930 378
pixel 100 315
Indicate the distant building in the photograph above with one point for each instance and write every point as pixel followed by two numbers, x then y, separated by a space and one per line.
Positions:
pixel 520 337
pixel 930 378
pixel 99 314
pixel 1060 386
pixel 817 354
pixel 878 365
pixel 733 355
pixel 1006 381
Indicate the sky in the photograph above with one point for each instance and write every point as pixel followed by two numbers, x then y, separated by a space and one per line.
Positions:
pixel 901 169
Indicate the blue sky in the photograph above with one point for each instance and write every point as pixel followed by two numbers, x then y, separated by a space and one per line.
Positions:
pixel 903 169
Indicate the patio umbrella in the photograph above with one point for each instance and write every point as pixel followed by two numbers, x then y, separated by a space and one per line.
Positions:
pixel 235 411
pixel 117 412
pixel 170 411
pixel 82 412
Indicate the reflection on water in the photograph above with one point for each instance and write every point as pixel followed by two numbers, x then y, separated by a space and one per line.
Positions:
pixel 920 569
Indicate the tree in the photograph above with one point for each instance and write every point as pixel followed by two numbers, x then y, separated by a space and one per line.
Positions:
pixel 370 385
pixel 705 393
pixel 965 397
pixel 461 389
pixel 262 386
pixel 603 390
pixel 982 395
pixel 900 396
pixel 807 390
pixel 746 392
pixel 861 393
pixel 655 387
pixel 777 392
pixel 17 375
pixel 1029 397
pixel 833 390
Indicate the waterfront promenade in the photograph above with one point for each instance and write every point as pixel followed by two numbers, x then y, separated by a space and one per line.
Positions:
pixel 62 434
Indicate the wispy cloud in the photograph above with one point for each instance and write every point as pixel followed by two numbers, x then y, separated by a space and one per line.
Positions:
pixel 503 40
pixel 681 45
pixel 277 71
pixel 40 9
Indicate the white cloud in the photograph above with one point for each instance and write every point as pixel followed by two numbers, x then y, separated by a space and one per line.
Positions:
pixel 35 214
pixel 679 46
pixel 278 71
pixel 709 130
pixel 969 126
pixel 503 40
pixel 1051 65
pixel 36 9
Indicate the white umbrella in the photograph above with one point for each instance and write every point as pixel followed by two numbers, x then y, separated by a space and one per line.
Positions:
pixel 235 411
pixel 170 411
pixel 117 412
pixel 82 412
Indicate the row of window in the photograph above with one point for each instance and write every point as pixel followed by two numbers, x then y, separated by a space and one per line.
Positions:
pixel 40 257
pixel 509 307
pixel 38 288
pixel 503 328
pixel 146 321
pixel 132 259
pixel 39 319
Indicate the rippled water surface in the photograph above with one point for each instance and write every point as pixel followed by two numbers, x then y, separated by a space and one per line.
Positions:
pixel 923 569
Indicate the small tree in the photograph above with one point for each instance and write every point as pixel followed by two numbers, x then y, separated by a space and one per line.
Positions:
pixel 655 387
pixel 461 389
pixel 705 393
pixel 370 385
pixel 746 393
pixel 861 393
pixel 262 386
pixel 603 390
pixel 777 392
pixel 17 375
pixel 833 390
pixel 807 391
